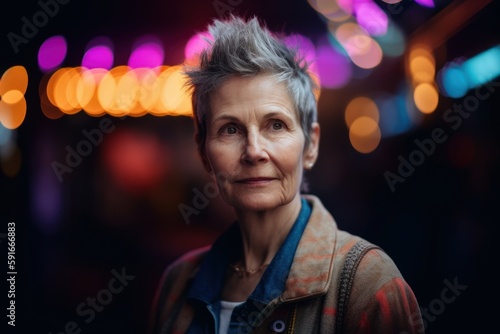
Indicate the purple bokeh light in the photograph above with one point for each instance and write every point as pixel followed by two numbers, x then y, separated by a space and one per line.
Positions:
pixel 426 3
pixel 52 53
pixel 369 16
pixel 334 68
pixel 99 56
pixel 196 44
pixel 147 53
pixel 305 48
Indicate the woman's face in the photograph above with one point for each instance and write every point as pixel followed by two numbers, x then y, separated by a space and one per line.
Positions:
pixel 255 144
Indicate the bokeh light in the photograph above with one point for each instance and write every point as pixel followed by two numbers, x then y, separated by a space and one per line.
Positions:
pixel 147 52
pixel 330 9
pixel 426 3
pixel 87 94
pixel 364 134
pixel 458 77
pixel 360 106
pixel 422 69
pixel 452 81
pixel 195 45
pixel 426 97
pixel 107 92
pixel 52 53
pixel 64 90
pixel 363 50
pixel 99 54
pixel 392 42
pixel 483 67
pixel 394 115
pixel 136 161
pixel 13 85
pixel 334 68
pixel 174 97
pixel 371 17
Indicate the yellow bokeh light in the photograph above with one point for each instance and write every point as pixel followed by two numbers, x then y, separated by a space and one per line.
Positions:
pixel 107 91
pixel 421 50
pixel 361 106
pixel 13 84
pixel 87 91
pixel 48 109
pixel 127 87
pixel 149 88
pixel 422 69
pixel 329 9
pixel 12 115
pixel 426 98
pixel 15 78
pixel 52 84
pixel 72 89
pixel 364 134
pixel 12 96
pixel 61 98
pixel 175 97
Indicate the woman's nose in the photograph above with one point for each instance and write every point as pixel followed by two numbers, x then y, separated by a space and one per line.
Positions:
pixel 255 149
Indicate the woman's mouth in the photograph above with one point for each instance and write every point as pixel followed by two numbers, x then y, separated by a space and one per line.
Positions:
pixel 255 181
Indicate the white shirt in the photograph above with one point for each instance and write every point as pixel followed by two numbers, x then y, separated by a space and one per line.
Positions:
pixel 226 309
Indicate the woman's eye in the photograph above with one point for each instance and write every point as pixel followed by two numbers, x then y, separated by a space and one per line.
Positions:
pixel 230 129
pixel 277 125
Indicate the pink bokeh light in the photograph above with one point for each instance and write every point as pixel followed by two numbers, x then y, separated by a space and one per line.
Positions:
pixel 52 53
pixel 334 68
pixel 305 48
pixel 426 3
pixel 147 53
pixel 369 16
pixel 99 56
pixel 196 44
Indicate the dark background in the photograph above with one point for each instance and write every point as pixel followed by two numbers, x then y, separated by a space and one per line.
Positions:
pixel 437 225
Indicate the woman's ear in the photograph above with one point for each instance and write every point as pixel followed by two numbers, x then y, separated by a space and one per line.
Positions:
pixel 311 153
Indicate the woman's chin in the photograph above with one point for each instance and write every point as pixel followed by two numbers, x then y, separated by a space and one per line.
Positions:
pixel 258 202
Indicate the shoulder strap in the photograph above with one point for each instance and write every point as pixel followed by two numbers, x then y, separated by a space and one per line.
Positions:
pixel 352 260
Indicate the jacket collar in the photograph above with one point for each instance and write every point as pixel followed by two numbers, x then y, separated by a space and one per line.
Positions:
pixel 311 270
pixel 208 282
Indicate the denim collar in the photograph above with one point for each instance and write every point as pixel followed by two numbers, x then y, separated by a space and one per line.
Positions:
pixel 208 283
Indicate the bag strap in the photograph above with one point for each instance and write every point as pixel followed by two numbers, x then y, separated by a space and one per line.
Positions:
pixel 352 260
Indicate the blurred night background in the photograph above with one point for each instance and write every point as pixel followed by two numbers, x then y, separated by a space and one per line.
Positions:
pixel 96 160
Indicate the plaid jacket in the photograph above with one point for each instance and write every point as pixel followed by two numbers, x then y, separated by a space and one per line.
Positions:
pixel 380 300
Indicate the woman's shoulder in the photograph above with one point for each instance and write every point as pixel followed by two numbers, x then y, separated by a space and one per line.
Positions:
pixel 173 283
pixel 371 255
pixel 187 264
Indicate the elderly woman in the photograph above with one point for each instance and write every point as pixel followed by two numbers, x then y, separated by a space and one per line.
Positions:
pixel 283 266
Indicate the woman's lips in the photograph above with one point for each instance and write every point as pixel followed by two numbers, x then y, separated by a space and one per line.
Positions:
pixel 255 180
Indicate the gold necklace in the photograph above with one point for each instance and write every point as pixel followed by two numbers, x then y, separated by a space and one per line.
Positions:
pixel 242 272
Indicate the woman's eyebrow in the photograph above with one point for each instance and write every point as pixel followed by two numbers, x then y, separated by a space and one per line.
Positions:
pixel 224 117
pixel 277 114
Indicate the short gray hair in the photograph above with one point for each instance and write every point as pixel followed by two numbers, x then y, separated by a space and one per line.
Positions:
pixel 247 48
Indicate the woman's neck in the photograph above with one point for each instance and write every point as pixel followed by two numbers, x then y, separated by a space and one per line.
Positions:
pixel 263 232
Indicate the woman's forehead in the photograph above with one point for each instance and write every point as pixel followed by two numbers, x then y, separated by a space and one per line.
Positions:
pixel 261 93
